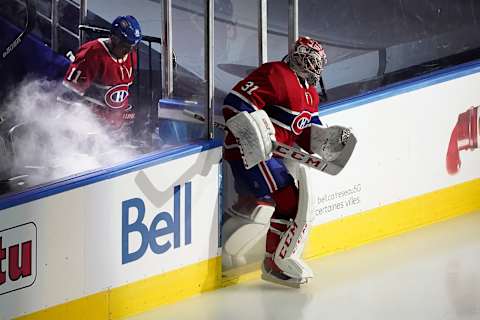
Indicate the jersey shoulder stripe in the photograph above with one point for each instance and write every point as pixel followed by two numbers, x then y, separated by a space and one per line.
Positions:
pixel 238 102
pixel 280 114
pixel 286 118
pixel 316 120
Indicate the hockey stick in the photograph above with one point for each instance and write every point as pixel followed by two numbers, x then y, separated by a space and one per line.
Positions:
pixel 29 25
pixel 296 154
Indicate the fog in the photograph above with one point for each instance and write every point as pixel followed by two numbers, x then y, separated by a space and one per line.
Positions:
pixel 52 140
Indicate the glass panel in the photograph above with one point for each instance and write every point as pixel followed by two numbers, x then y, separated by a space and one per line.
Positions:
pixel 369 44
pixel 189 82
pixel 68 15
pixel 14 12
pixel 236 55
pixel 236 43
pixel 45 7
pixel 277 29
pixel 146 89
pixel 63 133
pixel 188 43
pixel 66 41
pixel 374 43
pixel 9 8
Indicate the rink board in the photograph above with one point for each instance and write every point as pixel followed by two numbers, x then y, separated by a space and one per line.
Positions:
pixel 89 257
pixel 111 230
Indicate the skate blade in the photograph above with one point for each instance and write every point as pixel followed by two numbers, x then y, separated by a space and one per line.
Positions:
pixel 288 283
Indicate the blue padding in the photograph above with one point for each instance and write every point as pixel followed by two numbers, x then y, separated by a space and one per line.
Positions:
pixel 177 131
pixel 402 87
pixel 237 103
pixel 31 57
pixel 77 181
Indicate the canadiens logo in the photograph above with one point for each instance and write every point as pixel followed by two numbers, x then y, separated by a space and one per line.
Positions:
pixel 301 122
pixel 116 96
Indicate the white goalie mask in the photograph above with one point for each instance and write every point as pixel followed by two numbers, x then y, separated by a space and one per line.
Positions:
pixel 307 59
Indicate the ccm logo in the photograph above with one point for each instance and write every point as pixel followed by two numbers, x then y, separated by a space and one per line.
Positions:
pixel 18 257
pixel 307 159
pixel 164 230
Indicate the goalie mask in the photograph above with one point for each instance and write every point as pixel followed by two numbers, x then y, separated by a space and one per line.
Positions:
pixel 307 59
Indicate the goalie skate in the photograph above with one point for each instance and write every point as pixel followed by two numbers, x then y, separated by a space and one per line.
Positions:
pixel 271 273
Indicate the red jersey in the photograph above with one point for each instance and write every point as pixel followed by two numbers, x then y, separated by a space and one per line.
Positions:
pixel 100 77
pixel 291 105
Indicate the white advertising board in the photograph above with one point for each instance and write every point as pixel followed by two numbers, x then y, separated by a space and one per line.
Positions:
pixel 109 233
pixel 401 150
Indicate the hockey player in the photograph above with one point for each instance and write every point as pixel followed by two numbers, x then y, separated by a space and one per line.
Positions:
pixel 277 102
pixel 102 71
pixel 464 136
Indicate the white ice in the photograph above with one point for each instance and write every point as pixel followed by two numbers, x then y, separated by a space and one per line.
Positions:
pixel 430 273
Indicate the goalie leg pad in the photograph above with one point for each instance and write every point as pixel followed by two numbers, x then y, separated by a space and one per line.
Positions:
pixel 270 270
pixel 244 233
pixel 286 200
pixel 254 133
pixel 288 254
pixel 271 273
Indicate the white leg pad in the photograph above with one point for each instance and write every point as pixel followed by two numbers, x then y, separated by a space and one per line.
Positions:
pixel 244 238
pixel 288 255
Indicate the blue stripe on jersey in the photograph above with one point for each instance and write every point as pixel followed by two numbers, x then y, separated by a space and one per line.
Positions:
pixel 316 120
pixel 286 118
pixel 237 103
pixel 280 115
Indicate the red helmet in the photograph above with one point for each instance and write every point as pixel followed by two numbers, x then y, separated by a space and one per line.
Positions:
pixel 308 59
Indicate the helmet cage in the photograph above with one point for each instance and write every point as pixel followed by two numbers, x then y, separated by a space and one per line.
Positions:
pixel 308 59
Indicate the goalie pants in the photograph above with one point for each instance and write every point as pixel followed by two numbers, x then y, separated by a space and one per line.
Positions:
pixel 269 179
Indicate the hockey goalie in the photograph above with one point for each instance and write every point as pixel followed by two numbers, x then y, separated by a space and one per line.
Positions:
pixel 277 104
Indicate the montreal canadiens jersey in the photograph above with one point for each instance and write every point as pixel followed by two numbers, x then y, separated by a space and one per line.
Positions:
pixel 291 105
pixel 99 77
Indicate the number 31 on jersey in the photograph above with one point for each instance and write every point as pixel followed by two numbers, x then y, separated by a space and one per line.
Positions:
pixel 249 87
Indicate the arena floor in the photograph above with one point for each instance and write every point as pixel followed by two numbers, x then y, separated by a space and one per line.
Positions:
pixel 430 273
